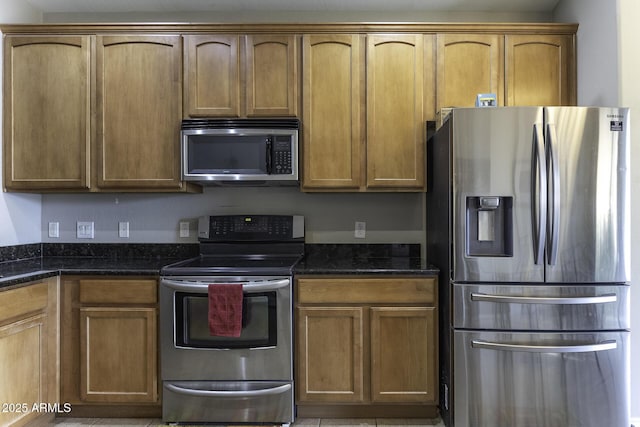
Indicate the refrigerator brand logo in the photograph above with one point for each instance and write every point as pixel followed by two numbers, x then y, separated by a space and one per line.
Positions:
pixel 616 125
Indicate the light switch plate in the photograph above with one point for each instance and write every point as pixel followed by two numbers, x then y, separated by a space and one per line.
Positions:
pixel 84 230
pixel 54 229
pixel 123 229
pixel 360 230
pixel 184 229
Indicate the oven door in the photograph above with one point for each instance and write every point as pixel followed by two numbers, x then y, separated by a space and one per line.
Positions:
pixel 261 352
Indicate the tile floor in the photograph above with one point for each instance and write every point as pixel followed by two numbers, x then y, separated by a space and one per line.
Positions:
pixel 302 422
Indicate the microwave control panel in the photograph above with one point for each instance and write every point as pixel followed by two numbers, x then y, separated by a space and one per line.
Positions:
pixel 281 155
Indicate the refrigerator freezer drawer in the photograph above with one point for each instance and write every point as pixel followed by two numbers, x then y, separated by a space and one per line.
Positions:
pixel 541 379
pixel 228 402
pixel 541 307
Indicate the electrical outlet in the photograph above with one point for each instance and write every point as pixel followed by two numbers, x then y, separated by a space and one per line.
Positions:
pixel 54 229
pixel 184 229
pixel 123 229
pixel 84 230
pixel 361 230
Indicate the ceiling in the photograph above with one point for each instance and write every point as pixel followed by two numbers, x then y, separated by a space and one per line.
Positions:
pixel 155 6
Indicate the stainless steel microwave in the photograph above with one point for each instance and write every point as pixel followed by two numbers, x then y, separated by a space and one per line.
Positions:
pixel 240 151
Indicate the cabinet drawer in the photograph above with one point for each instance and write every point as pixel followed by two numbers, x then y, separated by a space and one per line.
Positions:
pixel 23 300
pixel 141 291
pixel 342 290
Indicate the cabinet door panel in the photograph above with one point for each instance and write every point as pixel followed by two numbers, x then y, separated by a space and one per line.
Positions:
pixel 469 64
pixel 395 119
pixel 538 71
pixel 330 354
pixel 333 98
pixel 138 98
pixel 118 351
pixel 271 75
pixel 403 354
pixel 47 105
pixel 212 76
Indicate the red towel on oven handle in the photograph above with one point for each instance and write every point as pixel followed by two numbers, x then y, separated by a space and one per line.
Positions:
pixel 225 309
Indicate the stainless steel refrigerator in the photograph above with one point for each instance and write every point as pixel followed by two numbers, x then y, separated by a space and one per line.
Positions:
pixel 528 220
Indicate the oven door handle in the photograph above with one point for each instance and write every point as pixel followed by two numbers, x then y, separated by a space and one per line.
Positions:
pixel 227 393
pixel 203 287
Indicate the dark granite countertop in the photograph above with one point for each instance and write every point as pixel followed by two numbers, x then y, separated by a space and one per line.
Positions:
pixel 364 259
pixel 37 261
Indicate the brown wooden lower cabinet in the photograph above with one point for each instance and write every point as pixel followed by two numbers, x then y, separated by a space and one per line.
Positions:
pixel 29 353
pixel 110 346
pixel 366 346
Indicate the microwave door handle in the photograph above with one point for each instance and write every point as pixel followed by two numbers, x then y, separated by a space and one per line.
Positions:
pixel 269 148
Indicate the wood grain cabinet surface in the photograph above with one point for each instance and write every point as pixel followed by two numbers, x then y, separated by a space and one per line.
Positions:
pixel 110 346
pixel 47 108
pixel 232 75
pixel 370 342
pixel 353 79
pixel 29 351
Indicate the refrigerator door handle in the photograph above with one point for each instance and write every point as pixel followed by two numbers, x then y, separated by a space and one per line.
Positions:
pixel 598 299
pixel 538 195
pixel 588 348
pixel 554 195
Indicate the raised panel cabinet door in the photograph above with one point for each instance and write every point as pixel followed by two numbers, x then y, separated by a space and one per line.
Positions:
pixel 395 119
pixel 469 64
pixel 139 111
pixel 330 354
pixel 212 75
pixel 47 108
pixel 23 351
pixel 539 70
pixel 333 111
pixel 271 75
pixel 404 345
pixel 118 354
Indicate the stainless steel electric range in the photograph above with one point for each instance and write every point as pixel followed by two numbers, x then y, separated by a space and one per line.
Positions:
pixel 231 379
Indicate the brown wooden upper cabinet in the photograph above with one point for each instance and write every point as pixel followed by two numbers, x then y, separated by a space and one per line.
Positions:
pixel 47 107
pixel 340 152
pixel 540 70
pixel 521 69
pixel 241 75
pixel 55 85
pixel 469 64
pixel 139 111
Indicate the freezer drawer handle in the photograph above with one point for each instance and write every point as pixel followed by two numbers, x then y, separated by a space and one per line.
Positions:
pixel 228 393
pixel 545 300
pixel 603 346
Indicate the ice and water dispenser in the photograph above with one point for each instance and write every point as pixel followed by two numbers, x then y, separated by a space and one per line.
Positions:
pixel 489 226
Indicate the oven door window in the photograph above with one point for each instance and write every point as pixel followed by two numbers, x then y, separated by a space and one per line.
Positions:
pixel 258 322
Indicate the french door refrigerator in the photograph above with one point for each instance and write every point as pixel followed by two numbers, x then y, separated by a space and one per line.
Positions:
pixel 528 220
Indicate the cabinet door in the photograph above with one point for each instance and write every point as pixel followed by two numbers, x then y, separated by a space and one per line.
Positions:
pixel 271 75
pixel 330 355
pixel 404 343
pixel 333 96
pixel 395 119
pixel 212 76
pixel 47 105
pixel 139 113
pixel 23 351
pixel 539 70
pixel 469 64
pixel 118 354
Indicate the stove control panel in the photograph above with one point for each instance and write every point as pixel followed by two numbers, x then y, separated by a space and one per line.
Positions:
pixel 217 228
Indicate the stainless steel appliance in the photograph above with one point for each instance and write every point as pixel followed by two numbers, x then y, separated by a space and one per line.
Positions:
pixel 528 219
pixel 240 151
pixel 220 379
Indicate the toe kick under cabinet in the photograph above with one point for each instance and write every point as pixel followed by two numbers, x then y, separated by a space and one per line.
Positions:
pixel 366 346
